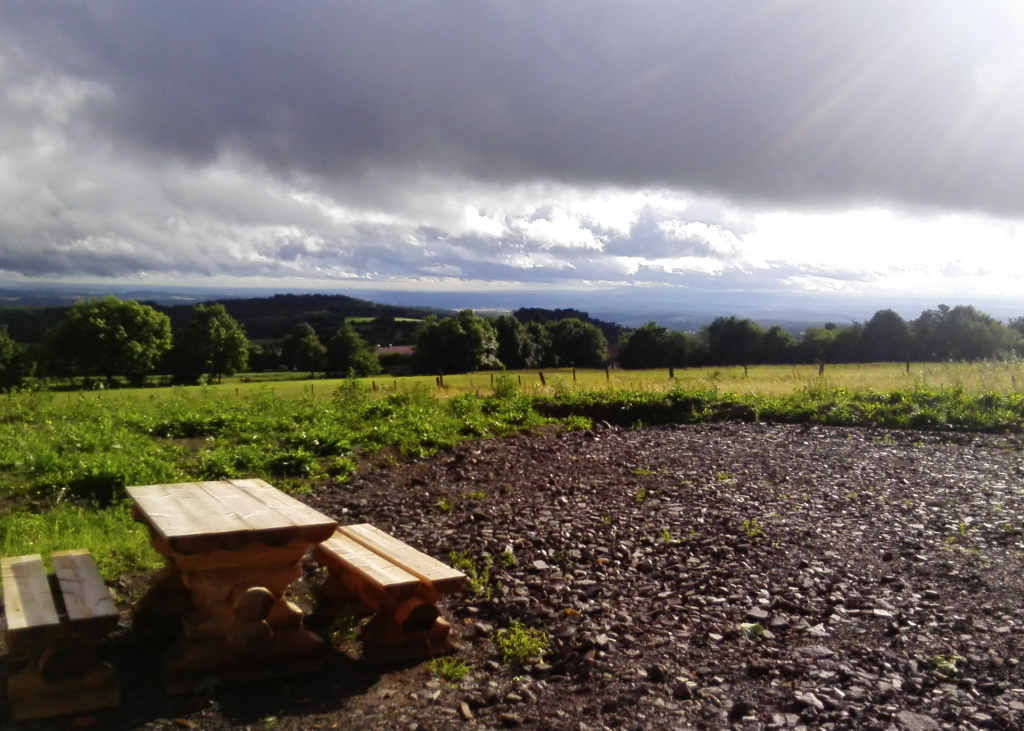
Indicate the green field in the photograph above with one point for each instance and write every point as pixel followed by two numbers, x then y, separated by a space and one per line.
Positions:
pixel 769 381
pixel 65 458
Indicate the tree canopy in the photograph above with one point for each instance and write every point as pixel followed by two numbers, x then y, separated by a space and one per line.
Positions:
pixel 457 344
pixel 110 338
pixel 213 343
pixel 578 344
pixel 303 351
pixel 351 356
pixel 13 366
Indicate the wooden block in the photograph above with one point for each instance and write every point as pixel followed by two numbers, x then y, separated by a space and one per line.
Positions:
pixel 27 599
pixel 90 607
pixel 28 604
pixel 33 697
pixel 366 574
pixel 442 578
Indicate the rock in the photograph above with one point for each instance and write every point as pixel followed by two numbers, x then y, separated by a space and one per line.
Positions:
pixel 756 615
pixel 465 712
pixel 818 652
pixel 740 709
pixel 810 700
pixel 910 721
pixel 510 720
pixel 682 692
pixel 656 674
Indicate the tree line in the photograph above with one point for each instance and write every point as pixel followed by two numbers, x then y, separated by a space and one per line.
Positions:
pixel 109 339
pixel 943 334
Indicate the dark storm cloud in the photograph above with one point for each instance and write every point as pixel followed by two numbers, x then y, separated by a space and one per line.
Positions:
pixel 795 103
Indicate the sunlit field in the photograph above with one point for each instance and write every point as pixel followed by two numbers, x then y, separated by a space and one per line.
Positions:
pixel 66 457
pixel 770 381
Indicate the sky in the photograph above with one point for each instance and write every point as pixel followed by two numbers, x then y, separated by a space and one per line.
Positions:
pixel 869 148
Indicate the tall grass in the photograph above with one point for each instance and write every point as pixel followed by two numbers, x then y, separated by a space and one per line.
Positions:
pixel 118 544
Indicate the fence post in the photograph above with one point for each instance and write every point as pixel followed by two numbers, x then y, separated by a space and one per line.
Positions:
pixel 542 381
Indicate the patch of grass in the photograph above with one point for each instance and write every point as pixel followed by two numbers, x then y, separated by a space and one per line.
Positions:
pixel 752 529
pixel 477 495
pixel 117 543
pixel 643 472
pixel 640 495
pixel 450 669
pixel 519 643
pixel 445 505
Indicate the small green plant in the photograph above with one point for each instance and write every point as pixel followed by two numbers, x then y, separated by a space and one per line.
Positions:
pixel 963 532
pixel 578 423
pixel 665 535
pixel 641 472
pixel 450 669
pixel 752 529
pixel 479 576
pixel 723 476
pixel 606 520
pixel 753 631
pixel 519 643
pixel 947 664
pixel 507 559
pixel 344 628
pixel 477 495
pixel 852 495
pixel 445 504
pixel 640 495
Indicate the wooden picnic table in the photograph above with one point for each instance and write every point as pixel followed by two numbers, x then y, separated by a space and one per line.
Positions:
pixel 233 547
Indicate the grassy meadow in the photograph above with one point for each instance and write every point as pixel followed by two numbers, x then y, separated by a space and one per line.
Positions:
pixel 66 457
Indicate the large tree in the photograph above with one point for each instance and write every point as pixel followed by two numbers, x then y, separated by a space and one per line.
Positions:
pixel 578 344
pixel 733 341
pixel 109 338
pixel 213 343
pixel 645 347
pixel 886 337
pixel 456 344
pixel 303 351
pixel 351 356
pixel 13 365
pixel 960 333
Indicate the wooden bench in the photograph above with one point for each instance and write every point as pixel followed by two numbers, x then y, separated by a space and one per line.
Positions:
pixel 53 626
pixel 371 572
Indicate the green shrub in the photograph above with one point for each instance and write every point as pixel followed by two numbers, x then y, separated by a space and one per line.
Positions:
pixel 519 643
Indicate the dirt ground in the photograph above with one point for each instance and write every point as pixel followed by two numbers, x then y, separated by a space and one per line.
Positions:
pixel 695 577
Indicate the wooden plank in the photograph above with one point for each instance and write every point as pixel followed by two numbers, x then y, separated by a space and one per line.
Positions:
pixel 86 597
pixel 225 507
pixel 391 582
pixel 27 599
pixel 315 525
pixel 444 579
pixel 162 510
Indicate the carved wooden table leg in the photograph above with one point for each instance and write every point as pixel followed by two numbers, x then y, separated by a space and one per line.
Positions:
pixel 242 628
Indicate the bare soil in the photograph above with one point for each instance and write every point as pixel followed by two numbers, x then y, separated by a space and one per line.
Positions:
pixel 694 577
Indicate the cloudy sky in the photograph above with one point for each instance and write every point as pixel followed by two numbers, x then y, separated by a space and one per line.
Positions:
pixel 785 146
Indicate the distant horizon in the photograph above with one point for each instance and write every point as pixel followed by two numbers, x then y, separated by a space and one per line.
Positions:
pixel 687 309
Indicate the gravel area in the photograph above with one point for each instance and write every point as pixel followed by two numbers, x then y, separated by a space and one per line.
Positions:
pixel 695 577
